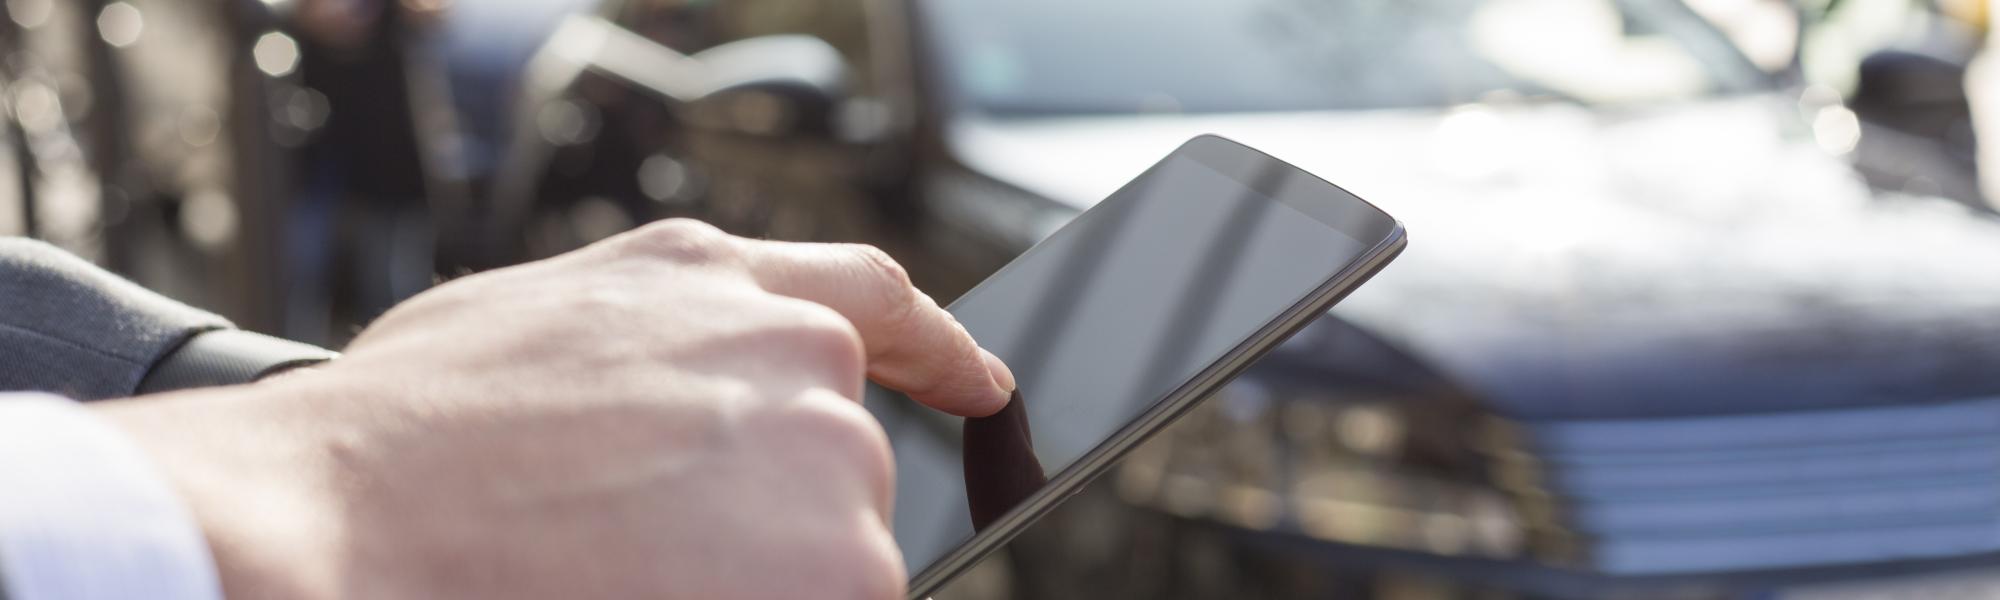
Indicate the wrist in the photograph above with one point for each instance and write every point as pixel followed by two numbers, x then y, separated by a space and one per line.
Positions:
pixel 256 477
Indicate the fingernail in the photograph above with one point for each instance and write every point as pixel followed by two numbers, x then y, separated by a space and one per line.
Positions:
pixel 1002 376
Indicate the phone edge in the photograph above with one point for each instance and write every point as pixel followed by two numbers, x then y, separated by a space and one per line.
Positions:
pixel 1097 461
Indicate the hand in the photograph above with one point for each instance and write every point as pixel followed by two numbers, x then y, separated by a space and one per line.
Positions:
pixel 670 413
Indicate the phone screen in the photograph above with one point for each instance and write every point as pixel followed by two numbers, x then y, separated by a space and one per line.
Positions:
pixel 1099 322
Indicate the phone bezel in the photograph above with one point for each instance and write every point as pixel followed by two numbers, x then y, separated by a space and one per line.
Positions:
pixel 1325 202
pixel 1333 206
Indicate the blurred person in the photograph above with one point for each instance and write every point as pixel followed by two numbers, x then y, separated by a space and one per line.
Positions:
pixel 362 217
pixel 670 412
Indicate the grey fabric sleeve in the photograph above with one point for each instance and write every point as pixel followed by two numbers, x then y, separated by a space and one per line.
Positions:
pixel 70 328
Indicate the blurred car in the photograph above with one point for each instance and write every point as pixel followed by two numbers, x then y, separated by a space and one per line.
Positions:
pixel 1627 235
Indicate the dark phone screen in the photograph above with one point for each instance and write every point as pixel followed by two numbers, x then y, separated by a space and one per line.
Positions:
pixel 1099 322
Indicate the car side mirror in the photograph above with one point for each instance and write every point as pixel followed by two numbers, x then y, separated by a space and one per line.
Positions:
pixel 1915 93
pixel 776 85
pixel 1920 121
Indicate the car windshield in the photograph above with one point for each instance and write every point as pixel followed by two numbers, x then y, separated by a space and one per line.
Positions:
pixel 1098 56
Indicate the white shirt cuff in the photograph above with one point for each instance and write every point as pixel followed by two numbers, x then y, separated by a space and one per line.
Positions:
pixel 84 515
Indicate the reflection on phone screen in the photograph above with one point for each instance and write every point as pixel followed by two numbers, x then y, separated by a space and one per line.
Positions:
pixel 1000 465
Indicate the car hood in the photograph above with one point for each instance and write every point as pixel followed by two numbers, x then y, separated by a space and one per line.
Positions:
pixel 1570 263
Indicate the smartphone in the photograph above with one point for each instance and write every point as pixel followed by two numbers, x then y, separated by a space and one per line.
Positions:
pixel 1117 324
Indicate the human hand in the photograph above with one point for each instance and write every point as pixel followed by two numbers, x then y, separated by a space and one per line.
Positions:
pixel 669 413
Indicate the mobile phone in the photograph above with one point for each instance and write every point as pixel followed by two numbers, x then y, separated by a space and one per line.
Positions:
pixel 1117 324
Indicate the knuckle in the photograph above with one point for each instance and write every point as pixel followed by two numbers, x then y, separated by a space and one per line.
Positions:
pixel 875 575
pixel 883 267
pixel 681 241
pixel 861 564
pixel 844 425
pixel 896 295
pixel 681 227
pixel 823 336
pixel 845 431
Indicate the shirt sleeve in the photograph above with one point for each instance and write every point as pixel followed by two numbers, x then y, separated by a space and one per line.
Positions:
pixel 84 516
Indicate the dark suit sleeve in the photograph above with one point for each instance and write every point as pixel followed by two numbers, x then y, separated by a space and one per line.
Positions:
pixel 70 328
pixel 82 514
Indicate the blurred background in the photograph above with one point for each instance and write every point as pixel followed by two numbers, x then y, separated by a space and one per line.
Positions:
pixel 1703 299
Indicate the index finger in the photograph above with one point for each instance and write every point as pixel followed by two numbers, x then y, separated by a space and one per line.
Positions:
pixel 913 345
